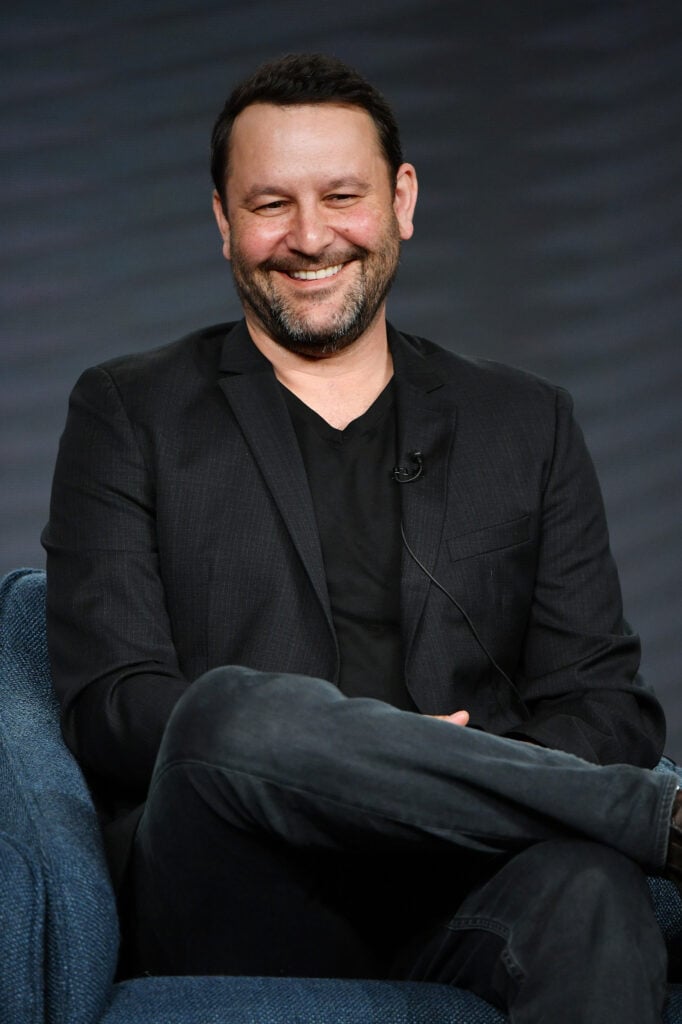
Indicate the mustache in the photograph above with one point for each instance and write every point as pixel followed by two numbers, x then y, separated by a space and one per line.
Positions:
pixel 289 264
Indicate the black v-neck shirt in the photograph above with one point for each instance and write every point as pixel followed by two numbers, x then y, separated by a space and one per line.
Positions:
pixel 357 505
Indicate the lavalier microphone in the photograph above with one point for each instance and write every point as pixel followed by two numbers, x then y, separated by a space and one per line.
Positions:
pixel 403 475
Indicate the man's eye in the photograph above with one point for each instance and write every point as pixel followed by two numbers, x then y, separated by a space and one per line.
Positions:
pixel 274 206
pixel 341 197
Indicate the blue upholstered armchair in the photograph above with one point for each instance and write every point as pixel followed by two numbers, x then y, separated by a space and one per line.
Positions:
pixel 58 928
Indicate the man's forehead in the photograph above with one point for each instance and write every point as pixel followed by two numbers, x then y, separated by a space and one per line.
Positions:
pixel 328 123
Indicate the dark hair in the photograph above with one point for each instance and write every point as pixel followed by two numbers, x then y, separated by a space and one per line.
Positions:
pixel 304 78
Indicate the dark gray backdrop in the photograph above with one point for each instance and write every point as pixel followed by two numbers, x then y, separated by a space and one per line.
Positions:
pixel 549 230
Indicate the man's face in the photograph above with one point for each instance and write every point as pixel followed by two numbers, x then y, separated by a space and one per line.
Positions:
pixel 313 224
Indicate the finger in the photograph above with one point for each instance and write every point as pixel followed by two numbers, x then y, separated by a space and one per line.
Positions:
pixel 457 717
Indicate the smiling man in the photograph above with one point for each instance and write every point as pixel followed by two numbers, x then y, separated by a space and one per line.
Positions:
pixel 312 217
pixel 334 623
pixel 314 252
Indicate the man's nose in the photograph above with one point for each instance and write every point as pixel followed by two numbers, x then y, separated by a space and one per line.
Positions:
pixel 310 231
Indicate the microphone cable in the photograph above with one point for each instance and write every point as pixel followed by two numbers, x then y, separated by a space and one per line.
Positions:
pixel 404 475
pixel 467 618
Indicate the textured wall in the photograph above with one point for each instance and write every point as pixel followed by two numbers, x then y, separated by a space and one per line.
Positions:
pixel 549 230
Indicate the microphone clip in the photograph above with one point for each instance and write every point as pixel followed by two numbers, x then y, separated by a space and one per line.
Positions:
pixel 403 475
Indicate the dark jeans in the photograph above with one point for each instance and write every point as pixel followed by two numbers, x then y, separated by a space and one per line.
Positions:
pixel 290 830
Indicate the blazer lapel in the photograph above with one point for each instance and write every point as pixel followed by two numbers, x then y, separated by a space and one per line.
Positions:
pixel 250 386
pixel 426 423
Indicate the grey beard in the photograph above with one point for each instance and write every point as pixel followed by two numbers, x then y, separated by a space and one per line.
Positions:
pixel 291 331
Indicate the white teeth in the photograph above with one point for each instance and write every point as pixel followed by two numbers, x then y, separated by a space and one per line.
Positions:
pixel 315 275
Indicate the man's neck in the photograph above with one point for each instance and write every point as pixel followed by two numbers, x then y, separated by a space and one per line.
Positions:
pixel 338 387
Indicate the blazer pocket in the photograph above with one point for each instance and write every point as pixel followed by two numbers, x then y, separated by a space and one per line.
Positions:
pixel 490 538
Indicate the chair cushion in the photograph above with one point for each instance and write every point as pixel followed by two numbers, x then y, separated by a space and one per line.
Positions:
pixel 47 809
pixel 293 1001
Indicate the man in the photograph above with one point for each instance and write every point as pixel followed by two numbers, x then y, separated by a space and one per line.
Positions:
pixel 256 523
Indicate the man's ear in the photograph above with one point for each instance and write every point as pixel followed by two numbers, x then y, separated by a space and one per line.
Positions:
pixel 405 199
pixel 222 222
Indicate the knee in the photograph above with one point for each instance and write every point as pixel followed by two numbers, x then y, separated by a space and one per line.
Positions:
pixel 569 886
pixel 564 924
pixel 586 888
pixel 593 873
pixel 247 714
pixel 581 868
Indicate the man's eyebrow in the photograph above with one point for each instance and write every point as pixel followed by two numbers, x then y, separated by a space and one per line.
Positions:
pixel 343 184
pixel 350 182
pixel 258 191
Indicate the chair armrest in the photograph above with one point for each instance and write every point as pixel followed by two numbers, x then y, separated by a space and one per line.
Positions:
pixel 48 816
pixel 22 934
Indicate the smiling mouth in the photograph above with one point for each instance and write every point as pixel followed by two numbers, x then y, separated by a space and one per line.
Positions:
pixel 315 275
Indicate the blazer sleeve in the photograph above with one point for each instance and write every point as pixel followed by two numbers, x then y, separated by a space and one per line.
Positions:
pixel 578 672
pixel 113 660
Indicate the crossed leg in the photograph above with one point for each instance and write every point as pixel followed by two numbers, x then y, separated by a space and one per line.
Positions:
pixel 269 786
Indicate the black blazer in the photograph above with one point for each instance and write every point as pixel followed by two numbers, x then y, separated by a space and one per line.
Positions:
pixel 182 536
